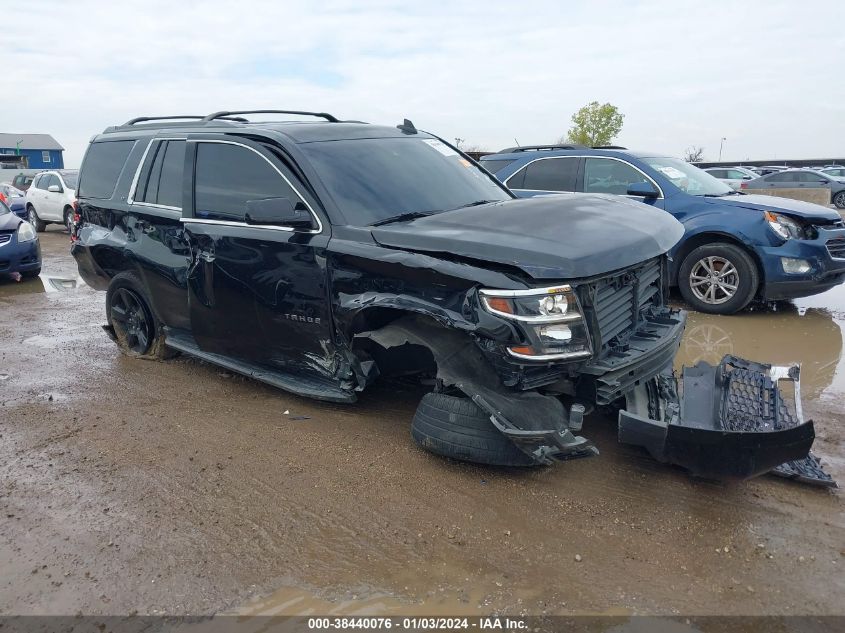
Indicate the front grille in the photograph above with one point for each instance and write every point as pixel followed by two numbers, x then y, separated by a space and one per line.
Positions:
pixel 5 238
pixel 614 305
pixel 836 247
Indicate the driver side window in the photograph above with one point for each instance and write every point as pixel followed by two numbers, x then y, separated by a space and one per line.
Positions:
pixel 228 175
pixel 604 175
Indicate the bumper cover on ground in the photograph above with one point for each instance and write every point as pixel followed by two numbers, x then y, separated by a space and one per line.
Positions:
pixel 730 421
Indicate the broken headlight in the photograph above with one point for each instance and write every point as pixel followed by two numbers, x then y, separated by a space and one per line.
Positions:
pixel 784 226
pixel 550 317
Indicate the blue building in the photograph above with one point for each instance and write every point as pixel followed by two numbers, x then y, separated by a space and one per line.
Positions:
pixel 31 151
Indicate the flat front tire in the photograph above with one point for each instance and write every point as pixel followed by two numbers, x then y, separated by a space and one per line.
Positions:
pixel 456 427
pixel 718 278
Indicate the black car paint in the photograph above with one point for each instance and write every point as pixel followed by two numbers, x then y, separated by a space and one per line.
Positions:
pixel 304 301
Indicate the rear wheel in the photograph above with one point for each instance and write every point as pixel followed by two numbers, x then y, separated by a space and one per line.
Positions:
pixel 456 427
pixel 839 200
pixel 136 329
pixel 718 278
pixel 34 220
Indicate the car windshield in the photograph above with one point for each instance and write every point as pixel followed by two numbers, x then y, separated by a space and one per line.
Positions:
pixel 375 179
pixel 70 180
pixel 688 178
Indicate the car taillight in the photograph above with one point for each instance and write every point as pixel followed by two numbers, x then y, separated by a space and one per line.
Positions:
pixel 743 185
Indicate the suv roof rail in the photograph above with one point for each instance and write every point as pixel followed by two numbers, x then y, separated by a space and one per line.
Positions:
pixel 224 114
pixel 535 148
pixel 608 147
pixel 200 117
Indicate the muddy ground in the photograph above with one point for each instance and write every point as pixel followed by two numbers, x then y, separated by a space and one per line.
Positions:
pixel 175 487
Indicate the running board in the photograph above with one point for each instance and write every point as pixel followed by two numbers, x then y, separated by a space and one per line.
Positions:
pixel 299 385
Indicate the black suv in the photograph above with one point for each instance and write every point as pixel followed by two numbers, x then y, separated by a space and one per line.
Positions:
pixel 317 256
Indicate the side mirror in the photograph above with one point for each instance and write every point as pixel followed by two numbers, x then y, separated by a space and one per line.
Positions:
pixel 278 212
pixel 54 189
pixel 643 190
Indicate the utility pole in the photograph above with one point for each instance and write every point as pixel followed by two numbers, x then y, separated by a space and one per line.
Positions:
pixel 720 148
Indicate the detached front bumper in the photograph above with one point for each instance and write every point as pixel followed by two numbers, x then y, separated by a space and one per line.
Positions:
pixel 730 421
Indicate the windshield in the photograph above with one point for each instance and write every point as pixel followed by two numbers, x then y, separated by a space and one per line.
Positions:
pixel 379 178
pixel 688 178
pixel 70 180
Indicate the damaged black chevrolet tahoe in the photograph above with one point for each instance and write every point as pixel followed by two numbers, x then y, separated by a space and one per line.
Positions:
pixel 319 256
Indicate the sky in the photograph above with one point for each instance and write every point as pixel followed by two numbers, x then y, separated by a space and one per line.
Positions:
pixel 769 77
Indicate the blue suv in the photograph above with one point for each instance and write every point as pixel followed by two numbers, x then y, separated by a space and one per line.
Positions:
pixel 736 247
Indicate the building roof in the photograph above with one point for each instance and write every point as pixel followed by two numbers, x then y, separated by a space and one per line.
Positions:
pixel 29 141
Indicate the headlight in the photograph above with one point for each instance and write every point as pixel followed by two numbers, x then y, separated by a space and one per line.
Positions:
pixel 785 227
pixel 550 317
pixel 25 232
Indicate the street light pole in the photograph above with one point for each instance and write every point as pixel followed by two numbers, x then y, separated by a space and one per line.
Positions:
pixel 720 148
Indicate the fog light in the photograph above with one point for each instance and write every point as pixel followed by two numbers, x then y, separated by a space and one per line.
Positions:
pixel 555 333
pixel 795 266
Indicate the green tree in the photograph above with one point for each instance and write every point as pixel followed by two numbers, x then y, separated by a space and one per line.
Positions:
pixel 595 124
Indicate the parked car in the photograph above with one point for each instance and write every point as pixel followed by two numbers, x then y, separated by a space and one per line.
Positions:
pixel 835 172
pixel 20 251
pixel 23 181
pixel 800 179
pixel 15 199
pixel 319 256
pixel 770 169
pixel 732 176
pixel 51 198
pixel 736 248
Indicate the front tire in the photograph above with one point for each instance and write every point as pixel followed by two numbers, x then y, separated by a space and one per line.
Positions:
pixel 68 217
pixel 839 200
pixel 136 329
pixel 34 220
pixel 457 428
pixel 718 278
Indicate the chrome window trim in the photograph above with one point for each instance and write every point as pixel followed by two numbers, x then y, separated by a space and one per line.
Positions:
pixel 621 160
pixel 273 227
pixel 319 228
pixel 130 199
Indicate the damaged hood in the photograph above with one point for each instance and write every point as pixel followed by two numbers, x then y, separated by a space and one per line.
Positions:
pixel 547 237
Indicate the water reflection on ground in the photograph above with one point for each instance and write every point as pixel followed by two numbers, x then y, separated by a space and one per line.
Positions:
pixel 807 331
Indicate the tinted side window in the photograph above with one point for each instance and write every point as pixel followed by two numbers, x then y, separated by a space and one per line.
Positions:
pixel 602 175
pixel 229 175
pixel 808 177
pixel 551 174
pixel 41 181
pixel 781 177
pixel 50 180
pixel 515 181
pixel 161 182
pixel 717 173
pixel 495 165
pixel 103 164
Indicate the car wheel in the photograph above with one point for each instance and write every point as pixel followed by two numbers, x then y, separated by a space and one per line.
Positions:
pixel 34 220
pixel 718 278
pixel 839 200
pixel 137 331
pixel 456 427
pixel 68 216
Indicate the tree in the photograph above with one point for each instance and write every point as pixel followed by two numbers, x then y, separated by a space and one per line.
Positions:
pixel 694 154
pixel 595 124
